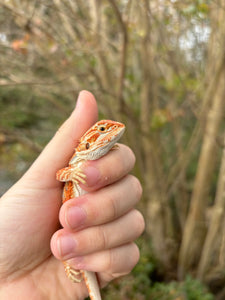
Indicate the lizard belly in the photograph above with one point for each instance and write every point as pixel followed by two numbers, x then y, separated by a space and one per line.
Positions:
pixel 68 191
pixel 72 190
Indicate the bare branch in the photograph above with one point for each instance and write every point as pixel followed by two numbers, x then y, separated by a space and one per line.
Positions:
pixel 123 54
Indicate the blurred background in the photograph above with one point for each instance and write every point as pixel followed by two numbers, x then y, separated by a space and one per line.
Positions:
pixel 159 67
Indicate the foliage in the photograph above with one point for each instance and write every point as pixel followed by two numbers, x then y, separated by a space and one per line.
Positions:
pixel 190 289
pixel 145 282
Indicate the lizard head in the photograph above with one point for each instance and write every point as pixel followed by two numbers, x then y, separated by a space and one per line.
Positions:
pixel 98 140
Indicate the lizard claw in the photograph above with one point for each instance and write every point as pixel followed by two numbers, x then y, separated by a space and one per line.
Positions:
pixel 74 174
pixel 78 176
pixel 73 275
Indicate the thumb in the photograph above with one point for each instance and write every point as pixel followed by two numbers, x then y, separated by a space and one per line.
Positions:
pixel 59 150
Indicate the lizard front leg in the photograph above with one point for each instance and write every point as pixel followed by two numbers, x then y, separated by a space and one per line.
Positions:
pixel 71 173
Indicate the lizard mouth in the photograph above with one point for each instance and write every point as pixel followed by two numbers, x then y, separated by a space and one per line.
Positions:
pixel 119 134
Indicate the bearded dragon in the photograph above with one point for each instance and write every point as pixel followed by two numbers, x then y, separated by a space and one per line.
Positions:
pixel 95 143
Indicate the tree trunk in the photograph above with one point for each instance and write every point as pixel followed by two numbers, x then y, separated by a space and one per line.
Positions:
pixel 194 232
pixel 214 234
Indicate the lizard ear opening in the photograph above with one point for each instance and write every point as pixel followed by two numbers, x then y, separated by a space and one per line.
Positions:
pixel 87 145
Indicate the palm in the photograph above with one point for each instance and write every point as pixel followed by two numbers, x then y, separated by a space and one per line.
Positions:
pixel 34 214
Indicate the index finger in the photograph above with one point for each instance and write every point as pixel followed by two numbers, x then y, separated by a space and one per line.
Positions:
pixel 108 169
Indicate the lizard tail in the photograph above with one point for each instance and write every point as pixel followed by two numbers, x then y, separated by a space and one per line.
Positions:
pixel 92 285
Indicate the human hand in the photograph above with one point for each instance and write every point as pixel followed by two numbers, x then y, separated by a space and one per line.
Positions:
pixel 102 231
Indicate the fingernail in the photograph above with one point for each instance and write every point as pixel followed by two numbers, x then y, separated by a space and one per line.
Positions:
pixel 81 94
pixel 93 175
pixel 66 245
pixel 75 216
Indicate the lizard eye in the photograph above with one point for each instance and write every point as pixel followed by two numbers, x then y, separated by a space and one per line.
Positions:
pixel 87 146
pixel 102 128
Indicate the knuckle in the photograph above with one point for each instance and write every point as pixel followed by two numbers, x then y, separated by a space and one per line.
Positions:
pixel 136 186
pixel 110 260
pixel 139 222
pixel 128 256
pixel 113 207
pixel 135 254
pixel 130 155
pixel 125 158
pixel 101 238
